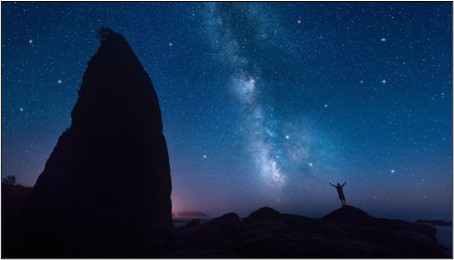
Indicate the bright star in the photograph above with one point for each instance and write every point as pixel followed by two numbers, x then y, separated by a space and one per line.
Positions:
pixel 30 41
pixel 170 44
pixel 326 105
pixel 299 21
pixel 383 81
pixel 21 109
pixel 310 164
pixel 383 39
pixel 287 137
pixel 59 81
pixel 393 171
pixel 204 156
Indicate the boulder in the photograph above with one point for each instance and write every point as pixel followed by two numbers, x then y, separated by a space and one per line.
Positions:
pixel 348 214
pixel 261 214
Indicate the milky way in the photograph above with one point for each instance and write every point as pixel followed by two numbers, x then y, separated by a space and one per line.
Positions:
pixel 245 87
pixel 281 149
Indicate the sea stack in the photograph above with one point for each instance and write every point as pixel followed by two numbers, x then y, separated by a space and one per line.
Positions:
pixel 107 180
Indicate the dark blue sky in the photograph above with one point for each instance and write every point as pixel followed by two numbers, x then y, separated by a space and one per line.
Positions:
pixel 262 103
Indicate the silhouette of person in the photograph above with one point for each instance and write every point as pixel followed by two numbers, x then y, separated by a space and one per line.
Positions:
pixel 340 192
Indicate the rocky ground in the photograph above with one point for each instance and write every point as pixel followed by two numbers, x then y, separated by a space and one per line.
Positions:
pixel 346 232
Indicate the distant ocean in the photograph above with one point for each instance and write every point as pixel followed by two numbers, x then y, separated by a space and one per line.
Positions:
pixel 444 236
pixel 179 222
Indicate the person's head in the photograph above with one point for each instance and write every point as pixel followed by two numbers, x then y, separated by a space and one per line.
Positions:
pixel 338 184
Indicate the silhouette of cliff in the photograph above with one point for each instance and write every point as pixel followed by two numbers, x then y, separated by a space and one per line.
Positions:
pixel 108 178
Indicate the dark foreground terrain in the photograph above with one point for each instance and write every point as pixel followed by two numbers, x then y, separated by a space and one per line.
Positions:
pixel 345 232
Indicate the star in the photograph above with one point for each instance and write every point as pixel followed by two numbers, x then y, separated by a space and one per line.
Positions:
pixel 383 81
pixel 59 81
pixel 21 109
pixel 299 21
pixel 287 137
pixel 383 39
pixel 310 164
pixel 30 41
pixel 170 44
pixel 326 105
pixel 204 156
pixel 393 171
pixel 362 81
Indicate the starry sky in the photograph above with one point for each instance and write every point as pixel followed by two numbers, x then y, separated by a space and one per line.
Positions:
pixel 263 103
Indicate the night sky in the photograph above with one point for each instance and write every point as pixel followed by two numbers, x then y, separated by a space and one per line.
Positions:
pixel 263 104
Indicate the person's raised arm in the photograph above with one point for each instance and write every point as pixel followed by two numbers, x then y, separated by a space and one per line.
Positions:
pixel 344 183
pixel 332 185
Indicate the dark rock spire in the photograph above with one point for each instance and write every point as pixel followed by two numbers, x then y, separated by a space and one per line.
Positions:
pixel 108 177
